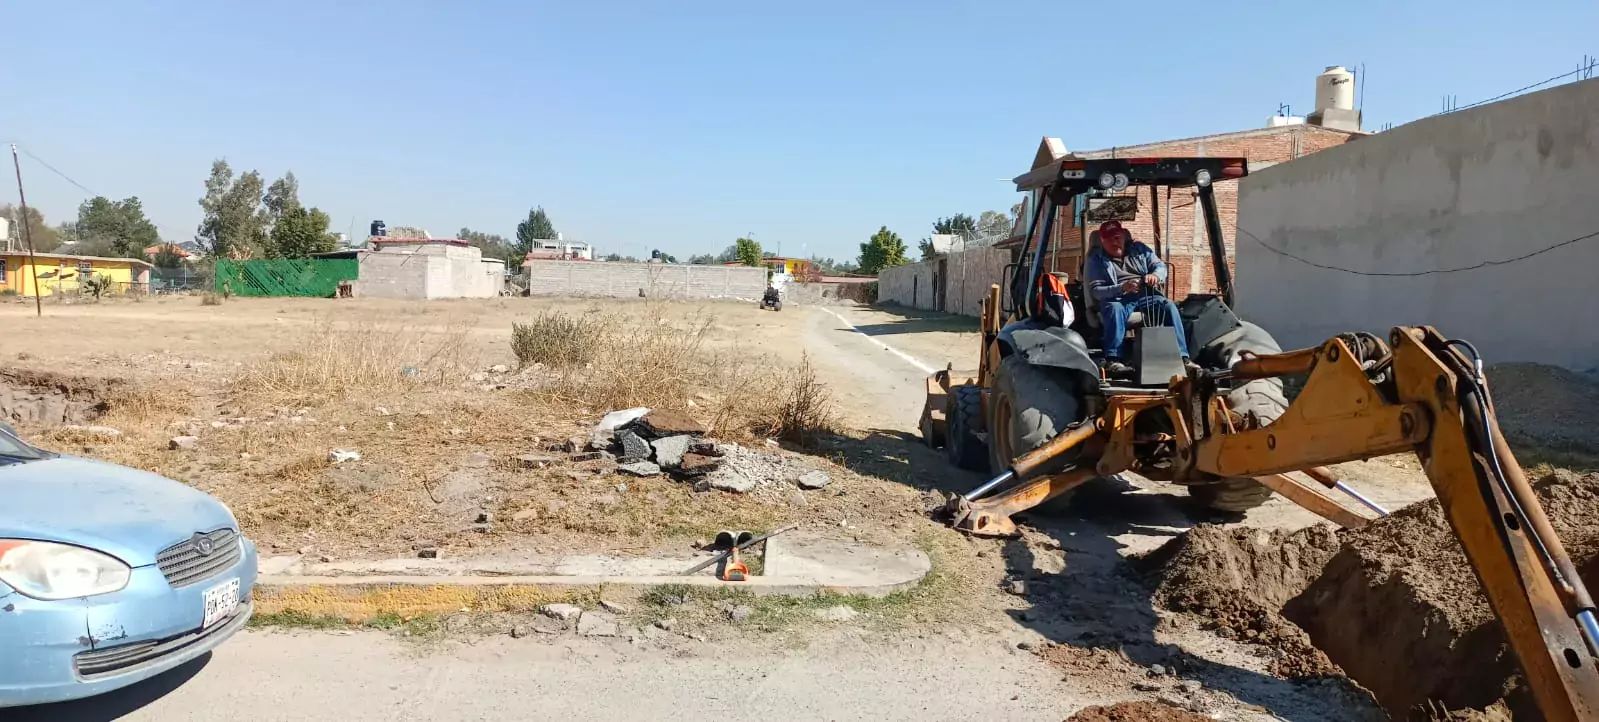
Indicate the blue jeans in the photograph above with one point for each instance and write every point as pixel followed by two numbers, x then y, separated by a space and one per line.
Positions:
pixel 1158 311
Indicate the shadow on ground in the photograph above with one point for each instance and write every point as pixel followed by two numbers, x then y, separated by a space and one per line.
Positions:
pixel 911 320
pixel 1084 594
pixel 1089 597
pixel 115 704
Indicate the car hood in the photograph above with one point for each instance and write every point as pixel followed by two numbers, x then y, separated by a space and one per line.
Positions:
pixel 129 514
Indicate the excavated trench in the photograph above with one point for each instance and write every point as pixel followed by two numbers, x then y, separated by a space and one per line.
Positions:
pixel 1394 606
pixel 41 397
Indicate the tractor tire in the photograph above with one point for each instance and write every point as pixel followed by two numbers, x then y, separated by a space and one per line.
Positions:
pixel 962 446
pixel 777 305
pixel 1264 398
pixel 1029 406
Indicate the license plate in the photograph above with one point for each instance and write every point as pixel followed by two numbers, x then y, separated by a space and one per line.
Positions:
pixel 220 601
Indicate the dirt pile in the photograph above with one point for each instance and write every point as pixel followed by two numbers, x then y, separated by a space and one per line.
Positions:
pixel 1400 610
pixel 1136 712
pixel 1238 579
pixel 1545 405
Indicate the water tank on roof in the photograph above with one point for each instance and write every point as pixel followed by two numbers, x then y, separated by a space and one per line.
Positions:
pixel 379 229
pixel 1335 89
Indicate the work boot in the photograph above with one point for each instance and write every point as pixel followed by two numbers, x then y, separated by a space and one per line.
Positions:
pixel 1115 367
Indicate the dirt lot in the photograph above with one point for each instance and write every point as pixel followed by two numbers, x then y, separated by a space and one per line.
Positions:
pixel 433 399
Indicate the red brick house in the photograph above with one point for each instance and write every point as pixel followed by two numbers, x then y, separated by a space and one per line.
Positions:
pixel 1167 220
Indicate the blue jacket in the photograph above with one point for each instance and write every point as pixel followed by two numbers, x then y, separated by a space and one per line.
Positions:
pixel 1102 273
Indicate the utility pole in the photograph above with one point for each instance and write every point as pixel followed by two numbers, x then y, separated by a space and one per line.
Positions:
pixel 27 233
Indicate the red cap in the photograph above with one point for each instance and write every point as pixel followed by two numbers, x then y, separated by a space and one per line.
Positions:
pixel 1110 226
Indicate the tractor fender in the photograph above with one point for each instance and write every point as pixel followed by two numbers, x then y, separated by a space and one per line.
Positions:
pixel 1052 346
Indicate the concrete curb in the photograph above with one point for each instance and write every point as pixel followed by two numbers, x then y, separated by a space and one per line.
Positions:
pixel 797 567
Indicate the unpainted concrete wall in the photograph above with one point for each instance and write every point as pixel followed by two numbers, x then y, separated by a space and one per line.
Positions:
pixel 434 271
pixel 1469 190
pixel 969 272
pixel 652 280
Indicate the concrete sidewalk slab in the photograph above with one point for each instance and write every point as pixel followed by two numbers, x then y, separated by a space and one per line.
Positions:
pixel 795 564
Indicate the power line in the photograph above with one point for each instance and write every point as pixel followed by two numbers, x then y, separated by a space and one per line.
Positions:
pixel 1456 109
pixel 52 169
pixel 1473 267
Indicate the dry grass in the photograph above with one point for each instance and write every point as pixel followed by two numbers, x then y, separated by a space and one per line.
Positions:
pixel 332 361
pixel 558 340
pixel 807 411
pixel 210 298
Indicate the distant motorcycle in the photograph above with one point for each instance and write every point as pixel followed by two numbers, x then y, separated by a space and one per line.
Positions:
pixel 772 299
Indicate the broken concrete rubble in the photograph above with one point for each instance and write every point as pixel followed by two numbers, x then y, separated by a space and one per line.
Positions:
pixel 814 480
pixel 339 456
pixel 640 468
pixel 184 443
pixel 634 447
pixel 661 423
pixel 669 451
pixel 565 612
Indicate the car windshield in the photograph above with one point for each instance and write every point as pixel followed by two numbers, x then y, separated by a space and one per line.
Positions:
pixel 13 449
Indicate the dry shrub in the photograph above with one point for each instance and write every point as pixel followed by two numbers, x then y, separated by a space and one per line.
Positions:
pixel 558 340
pixel 339 360
pixel 210 298
pixel 149 405
pixel 653 363
pixel 807 410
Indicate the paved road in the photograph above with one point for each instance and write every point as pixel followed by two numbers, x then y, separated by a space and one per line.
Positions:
pixel 373 676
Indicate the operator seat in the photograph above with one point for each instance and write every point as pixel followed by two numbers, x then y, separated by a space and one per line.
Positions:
pixel 1090 304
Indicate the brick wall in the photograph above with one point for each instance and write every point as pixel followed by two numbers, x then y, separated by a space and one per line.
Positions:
pixel 652 280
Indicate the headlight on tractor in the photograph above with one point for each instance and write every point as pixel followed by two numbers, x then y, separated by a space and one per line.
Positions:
pixel 51 571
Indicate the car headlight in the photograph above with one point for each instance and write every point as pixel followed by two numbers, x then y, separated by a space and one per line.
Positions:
pixel 50 571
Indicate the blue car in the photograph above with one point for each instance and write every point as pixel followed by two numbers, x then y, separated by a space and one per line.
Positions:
pixel 108 575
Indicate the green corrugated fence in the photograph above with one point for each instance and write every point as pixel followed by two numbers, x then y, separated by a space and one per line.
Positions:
pixel 317 277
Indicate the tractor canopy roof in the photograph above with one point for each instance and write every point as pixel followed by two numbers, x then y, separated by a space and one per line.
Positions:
pixel 1072 175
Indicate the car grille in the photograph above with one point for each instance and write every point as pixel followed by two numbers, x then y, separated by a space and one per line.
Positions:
pixel 114 660
pixel 184 564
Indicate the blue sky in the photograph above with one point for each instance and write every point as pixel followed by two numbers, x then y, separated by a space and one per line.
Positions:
pixel 643 125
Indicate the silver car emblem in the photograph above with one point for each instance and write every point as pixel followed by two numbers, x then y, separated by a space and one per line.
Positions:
pixel 203 545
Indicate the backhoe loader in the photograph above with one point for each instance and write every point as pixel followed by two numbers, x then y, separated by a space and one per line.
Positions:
pixel 1203 426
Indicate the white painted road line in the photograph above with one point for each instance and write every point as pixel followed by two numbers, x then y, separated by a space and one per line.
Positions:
pixel 908 358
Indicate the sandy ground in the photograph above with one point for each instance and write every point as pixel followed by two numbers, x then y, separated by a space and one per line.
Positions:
pixel 1100 638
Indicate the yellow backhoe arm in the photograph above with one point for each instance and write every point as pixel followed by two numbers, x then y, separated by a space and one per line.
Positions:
pixel 1363 400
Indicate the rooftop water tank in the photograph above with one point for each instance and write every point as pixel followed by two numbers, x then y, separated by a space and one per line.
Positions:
pixel 1335 89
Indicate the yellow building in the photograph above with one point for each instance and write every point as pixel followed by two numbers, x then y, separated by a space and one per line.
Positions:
pixel 60 273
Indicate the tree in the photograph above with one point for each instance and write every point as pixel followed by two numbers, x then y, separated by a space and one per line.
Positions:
pixel 300 232
pixel 663 256
pixel 702 259
pixel 994 226
pixel 167 257
pixel 537 227
pixel 493 245
pixel 45 238
pixel 959 224
pixel 728 255
pixel 883 250
pixel 234 225
pixel 281 196
pixel 747 251
pixel 118 228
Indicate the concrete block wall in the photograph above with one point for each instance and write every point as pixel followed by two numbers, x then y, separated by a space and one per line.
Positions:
pixel 910 285
pixel 1470 190
pixel 652 280
pixel 394 275
pixel 428 272
pixel 969 274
